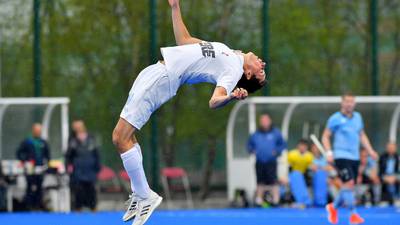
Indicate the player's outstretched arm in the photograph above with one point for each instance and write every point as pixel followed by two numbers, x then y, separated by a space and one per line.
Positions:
pixel 326 139
pixel 367 145
pixel 326 142
pixel 221 98
pixel 182 35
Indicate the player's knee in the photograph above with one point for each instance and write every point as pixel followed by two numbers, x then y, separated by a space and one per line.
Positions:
pixel 118 139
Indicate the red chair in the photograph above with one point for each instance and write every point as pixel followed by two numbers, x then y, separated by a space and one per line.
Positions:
pixel 176 173
pixel 108 181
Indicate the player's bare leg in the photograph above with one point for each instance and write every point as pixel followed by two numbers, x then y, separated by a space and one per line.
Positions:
pixel 142 201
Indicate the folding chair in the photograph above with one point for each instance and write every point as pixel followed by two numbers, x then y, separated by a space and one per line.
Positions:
pixel 176 173
pixel 108 181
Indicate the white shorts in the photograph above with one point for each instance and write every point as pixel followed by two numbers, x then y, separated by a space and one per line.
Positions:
pixel 150 90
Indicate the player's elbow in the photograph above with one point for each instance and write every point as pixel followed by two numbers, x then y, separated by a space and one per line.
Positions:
pixel 325 136
pixel 212 104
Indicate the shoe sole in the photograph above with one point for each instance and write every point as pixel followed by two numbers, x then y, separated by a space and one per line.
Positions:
pixel 130 217
pixel 356 223
pixel 158 202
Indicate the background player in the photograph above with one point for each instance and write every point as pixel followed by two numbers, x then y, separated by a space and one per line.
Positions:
pixel 347 129
pixel 195 61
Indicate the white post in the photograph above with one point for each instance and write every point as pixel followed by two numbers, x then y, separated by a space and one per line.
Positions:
pixel 394 123
pixel 46 120
pixel 64 127
pixel 286 119
pixel 2 112
pixel 252 118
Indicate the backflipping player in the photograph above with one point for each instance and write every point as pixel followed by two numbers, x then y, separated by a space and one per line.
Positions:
pixel 193 61
pixel 347 129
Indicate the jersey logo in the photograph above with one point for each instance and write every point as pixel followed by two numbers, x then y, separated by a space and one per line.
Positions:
pixel 207 49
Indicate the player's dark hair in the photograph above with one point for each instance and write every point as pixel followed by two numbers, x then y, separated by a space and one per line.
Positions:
pixel 251 85
pixel 304 142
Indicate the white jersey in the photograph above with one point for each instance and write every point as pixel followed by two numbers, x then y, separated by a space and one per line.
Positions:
pixel 210 62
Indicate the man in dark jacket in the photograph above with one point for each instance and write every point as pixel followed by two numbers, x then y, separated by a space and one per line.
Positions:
pixel 34 153
pixel 389 169
pixel 266 144
pixel 3 190
pixel 83 156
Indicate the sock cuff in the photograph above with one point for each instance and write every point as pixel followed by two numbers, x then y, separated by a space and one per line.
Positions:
pixel 133 152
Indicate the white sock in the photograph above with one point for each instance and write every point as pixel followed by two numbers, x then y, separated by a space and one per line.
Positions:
pixel 133 164
pixel 141 156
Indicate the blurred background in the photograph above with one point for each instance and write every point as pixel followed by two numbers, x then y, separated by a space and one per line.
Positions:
pixel 91 51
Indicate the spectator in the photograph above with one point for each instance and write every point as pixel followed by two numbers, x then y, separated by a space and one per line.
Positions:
pixel 74 127
pixel 34 153
pixel 267 144
pixel 320 163
pixel 368 175
pixel 300 159
pixel 388 171
pixel 3 190
pixel 83 156
pixel 323 177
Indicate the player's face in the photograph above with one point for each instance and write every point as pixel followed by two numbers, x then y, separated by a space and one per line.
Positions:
pixel 348 104
pixel 302 147
pixel 391 148
pixel 315 150
pixel 36 130
pixel 255 67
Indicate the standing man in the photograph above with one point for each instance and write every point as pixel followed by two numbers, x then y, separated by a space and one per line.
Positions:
pixel 267 144
pixel 83 155
pixel 346 127
pixel 34 152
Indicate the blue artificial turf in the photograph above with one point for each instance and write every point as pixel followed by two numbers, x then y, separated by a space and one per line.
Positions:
pixel 279 216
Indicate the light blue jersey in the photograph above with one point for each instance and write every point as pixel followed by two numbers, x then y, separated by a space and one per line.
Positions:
pixel 346 135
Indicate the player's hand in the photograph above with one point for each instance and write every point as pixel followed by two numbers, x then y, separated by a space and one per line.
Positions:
pixel 373 155
pixel 173 3
pixel 329 157
pixel 239 93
